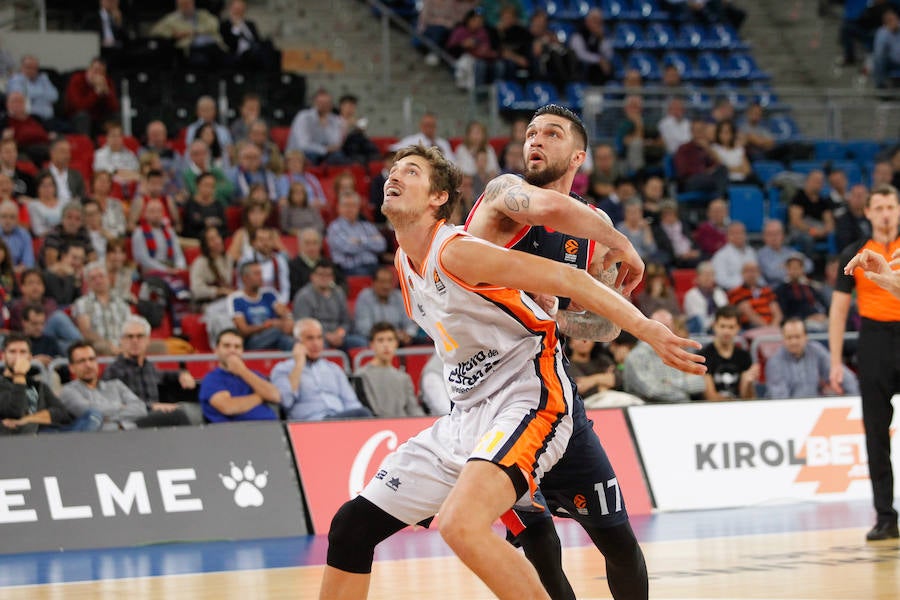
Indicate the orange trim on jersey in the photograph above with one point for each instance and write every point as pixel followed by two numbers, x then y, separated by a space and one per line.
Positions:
pixel 472 212
pixel 874 302
pixel 407 303
pixel 541 426
pixel 457 280
pixel 424 265
pixel 515 239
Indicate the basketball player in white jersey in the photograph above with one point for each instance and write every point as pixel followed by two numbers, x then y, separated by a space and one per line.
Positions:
pixel 503 368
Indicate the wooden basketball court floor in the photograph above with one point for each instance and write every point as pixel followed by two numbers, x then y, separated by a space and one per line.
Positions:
pixel 792 551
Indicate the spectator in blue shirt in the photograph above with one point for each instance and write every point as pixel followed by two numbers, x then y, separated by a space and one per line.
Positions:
pixel 354 243
pixel 233 391
pixel 313 388
pixel 886 55
pixel 17 238
pixel 37 87
pixel 258 316
pixel 800 369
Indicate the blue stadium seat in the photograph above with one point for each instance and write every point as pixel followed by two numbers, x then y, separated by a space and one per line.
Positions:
pixel 563 31
pixel 613 90
pixel 627 36
pixel 614 10
pixel 863 150
pixel 738 100
pixel 541 92
pixel 618 68
pixel 569 10
pixel 697 100
pixel 709 67
pixel 746 204
pixel 784 128
pixel 689 37
pixel 650 9
pixel 769 101
pixel 777 209
pixel 659 36
pixel 742 67
pixel 646 64
pixel 807 166
pixel 829 150
pixel 851 169
pixel 767 169
pixel 681 62
pixel 575 95
pixel 726 37
pixel 511 96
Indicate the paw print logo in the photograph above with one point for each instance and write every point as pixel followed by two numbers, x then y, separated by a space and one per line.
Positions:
pixel 246 484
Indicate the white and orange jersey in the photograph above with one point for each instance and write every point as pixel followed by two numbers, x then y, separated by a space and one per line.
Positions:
pixel 484 335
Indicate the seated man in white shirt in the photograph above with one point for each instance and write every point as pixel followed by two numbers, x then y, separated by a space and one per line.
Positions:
pixel 114 157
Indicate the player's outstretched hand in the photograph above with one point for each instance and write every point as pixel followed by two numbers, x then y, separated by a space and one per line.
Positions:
pixel 672 349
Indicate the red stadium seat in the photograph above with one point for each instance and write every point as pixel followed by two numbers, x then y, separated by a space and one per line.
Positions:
pixel 498 144
pixel 233 217
pixel 280 136
pixel 191 253
pixel 383 143
pixel 683 280
pixel 194 329
pixel 291 245
pixel 82 155
pixel 356 284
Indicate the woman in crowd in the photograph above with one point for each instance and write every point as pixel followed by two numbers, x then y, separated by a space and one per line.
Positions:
pixel 45 212
pixel 217 155
pixel 593 370
pixel 295 213
pixel 112 211
pixel 475 141
pixel 257 208
pixel 212 273
pixel 729 150
pixel 121 273
pixel 658 292
pixel 295 170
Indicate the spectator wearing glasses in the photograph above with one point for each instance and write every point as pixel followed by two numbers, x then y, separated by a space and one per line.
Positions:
pixel 161 390
pixel 120 407
pixel 27 404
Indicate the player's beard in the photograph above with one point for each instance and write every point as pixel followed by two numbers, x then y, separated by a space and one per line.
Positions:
pixel 548 174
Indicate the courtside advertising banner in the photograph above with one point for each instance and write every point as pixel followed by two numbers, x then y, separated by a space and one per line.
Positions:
pixel 337 459
pixel 723 454
pixel 95 490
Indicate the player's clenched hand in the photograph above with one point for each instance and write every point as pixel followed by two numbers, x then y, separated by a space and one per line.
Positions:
pixel 672 349
pixel 631 271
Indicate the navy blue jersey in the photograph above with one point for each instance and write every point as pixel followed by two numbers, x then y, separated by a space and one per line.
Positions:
pixel 547 243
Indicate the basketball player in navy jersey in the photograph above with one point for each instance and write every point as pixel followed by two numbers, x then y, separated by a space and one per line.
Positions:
pixel 473 464
pixel 518 214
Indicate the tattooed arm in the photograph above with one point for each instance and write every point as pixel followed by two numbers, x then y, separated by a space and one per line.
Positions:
pixel 509 197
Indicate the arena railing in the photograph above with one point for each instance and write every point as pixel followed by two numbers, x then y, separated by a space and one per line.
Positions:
pixel 253 359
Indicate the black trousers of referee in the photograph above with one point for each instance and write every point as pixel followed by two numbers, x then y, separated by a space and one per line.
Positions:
pixel 879 380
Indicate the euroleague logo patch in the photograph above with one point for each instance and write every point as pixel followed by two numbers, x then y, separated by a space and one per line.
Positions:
pixel 580 503
pixel 439 284
pixel 571 247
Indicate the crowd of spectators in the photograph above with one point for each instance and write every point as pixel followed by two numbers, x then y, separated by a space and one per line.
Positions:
pixel 284 248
